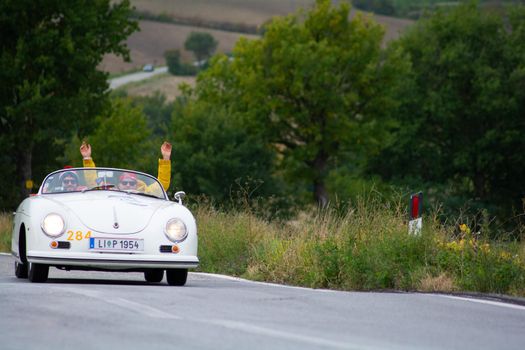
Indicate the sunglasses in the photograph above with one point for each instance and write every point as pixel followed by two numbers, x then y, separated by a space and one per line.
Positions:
pixel 128 183
pixel 69 182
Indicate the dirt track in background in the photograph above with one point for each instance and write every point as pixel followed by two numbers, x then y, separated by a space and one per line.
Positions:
pixel 166 84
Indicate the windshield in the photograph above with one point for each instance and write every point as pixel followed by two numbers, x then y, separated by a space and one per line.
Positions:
pixel 96 179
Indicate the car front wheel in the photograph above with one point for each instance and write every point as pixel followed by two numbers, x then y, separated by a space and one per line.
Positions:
pixel 154 275
pixel 177 277
pixel 20 270
pixel 38 272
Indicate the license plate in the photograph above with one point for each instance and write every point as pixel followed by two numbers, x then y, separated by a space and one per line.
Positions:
pixel 116 244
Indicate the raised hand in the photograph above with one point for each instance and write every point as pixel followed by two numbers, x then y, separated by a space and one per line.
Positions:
pixel 85 150
pixel 165 149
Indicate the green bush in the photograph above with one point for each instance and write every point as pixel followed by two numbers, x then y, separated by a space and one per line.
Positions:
pixel 176 67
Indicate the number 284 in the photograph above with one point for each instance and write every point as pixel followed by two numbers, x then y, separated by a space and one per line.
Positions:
pixel 78 235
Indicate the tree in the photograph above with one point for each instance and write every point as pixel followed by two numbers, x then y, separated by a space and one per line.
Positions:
pixel 175 66
pixel 50 51
pixel 461 118
pixel 217 152
pixel 122 139
pixel 201 44
pixel 384 7
pixel 317 82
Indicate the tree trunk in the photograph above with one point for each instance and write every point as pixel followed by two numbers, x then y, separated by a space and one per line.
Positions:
pixel 320 194
pixel 320 165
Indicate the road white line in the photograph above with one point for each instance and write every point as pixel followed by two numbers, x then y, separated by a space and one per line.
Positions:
pixel 124 303
pixel 487 302
pixel 6 254
pixel 238 279
pixel 244 327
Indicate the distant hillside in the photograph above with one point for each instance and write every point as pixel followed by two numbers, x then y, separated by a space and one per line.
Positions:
pixel 249 13
pixel 149 45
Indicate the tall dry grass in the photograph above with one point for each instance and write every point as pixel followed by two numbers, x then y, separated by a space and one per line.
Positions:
pixel 366 248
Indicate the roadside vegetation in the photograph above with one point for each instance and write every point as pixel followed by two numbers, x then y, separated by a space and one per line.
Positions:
pixel 365 248
pixel 6 225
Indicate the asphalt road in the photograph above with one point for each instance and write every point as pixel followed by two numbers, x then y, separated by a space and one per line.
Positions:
pixel 128 78
pixel 95 310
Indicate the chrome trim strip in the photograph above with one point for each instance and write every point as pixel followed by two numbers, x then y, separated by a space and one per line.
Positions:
pixel 102 262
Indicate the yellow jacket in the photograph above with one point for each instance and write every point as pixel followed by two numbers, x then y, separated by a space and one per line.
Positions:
pixel 164 174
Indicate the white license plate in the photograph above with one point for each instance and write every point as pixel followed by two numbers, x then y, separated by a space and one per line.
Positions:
pixel 116 244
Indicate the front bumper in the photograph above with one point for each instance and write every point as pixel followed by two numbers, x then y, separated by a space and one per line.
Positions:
pixel 114 260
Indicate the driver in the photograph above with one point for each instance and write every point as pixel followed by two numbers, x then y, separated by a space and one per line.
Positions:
pixel 69 181
pixel 127 181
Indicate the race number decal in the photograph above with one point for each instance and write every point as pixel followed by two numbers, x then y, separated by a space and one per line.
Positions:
pixel 78 235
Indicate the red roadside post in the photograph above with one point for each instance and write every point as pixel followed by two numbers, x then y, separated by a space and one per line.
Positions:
pixel 415 223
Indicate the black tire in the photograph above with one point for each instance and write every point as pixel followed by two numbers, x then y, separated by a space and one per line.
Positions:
pixel 154 275
pixel 38 272
pixel 177 277
pixel 20 270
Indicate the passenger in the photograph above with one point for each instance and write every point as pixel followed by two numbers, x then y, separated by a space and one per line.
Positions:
pixel 164 170
pixel 69 181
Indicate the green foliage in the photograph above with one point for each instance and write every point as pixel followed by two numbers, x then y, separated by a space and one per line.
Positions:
pixel 483 267
pixel 417 8
pixel 317 83
pixel 461 118
pixel 9 193
pixel 6 227
pixel 201 44
pixel 218 153
pixel 51 87
pixel 122 139
pixel 225 240
pixel 384 7
pixel 157 111
pixel 175 66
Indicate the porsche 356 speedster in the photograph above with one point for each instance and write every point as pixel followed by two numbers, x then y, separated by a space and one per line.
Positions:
pixel 104 219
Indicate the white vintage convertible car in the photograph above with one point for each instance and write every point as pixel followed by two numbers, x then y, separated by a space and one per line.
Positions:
pixel 104 219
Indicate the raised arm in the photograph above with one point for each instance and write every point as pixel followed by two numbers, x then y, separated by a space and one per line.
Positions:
pixel 85 151
pixel 87 161
pixel 164 174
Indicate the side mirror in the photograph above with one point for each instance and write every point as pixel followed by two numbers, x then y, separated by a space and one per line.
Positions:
pixel 179 196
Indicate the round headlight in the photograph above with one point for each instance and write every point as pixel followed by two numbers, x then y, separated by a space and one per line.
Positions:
pixel 53 225
pixel 176 230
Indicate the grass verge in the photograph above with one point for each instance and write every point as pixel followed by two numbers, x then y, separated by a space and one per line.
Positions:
pixel 6 224
pixel 368 248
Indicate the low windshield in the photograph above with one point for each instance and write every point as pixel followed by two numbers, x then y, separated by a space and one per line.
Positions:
pixel 95 179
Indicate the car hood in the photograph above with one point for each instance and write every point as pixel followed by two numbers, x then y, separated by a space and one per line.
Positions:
pixel 113 213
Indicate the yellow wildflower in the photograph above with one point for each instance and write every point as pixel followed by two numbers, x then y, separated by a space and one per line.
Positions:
pixel 485 248
pixel 505 255
pixel 464 228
